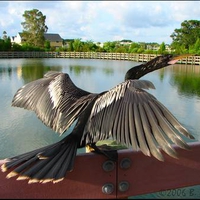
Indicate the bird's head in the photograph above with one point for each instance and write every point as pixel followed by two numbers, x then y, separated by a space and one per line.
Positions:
pixel 152 65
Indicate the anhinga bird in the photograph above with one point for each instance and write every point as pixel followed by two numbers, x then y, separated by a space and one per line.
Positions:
pixel 126 113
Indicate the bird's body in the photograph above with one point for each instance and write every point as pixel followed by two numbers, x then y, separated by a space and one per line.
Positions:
pixel 126 113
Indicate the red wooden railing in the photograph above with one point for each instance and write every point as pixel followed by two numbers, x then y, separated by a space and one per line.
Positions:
pixel 96 177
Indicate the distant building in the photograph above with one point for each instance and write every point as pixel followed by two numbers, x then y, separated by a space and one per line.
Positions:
pixel 168 48
pixel 154 47
pixel 54 39
pixel 66 42
pixel 100 44
pixel 126 42
pixel 17 39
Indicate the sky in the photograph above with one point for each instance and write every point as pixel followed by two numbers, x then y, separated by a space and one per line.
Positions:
pixel 103 21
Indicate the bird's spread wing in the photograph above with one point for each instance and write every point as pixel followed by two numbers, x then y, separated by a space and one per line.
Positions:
pixel 134 117
pixel 54 98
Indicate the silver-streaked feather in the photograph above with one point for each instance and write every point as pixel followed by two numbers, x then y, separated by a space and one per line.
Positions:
pixel 146 124
pixel 53 98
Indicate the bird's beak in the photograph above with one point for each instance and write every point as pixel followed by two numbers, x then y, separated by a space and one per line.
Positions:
pixel 177 58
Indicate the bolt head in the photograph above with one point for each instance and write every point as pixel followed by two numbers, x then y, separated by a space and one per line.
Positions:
pixel 125 163
pixel 108 188
pixel 123 186
pixel 108 165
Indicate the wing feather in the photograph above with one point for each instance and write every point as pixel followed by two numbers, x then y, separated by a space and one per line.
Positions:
pixel 137 119
pixel 152 143
pixel 158 132
pixel 122 127
pixel 116 131
pixel 168 128
pixel 132 130
pixel 126 125
pixel 54 98
pixel 140 133
pixel 173 120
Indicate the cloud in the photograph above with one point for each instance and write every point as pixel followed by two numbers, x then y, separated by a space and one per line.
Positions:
pixel 184 10
pixel 148 21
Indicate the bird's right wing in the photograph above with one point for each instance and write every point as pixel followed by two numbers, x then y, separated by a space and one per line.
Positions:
pixel 132 116
pixel 53 98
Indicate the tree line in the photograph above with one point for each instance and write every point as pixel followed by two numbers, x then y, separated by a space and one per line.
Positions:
pixel 185 39
pixel 86 46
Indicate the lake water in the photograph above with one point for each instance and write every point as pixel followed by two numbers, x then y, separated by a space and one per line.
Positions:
pixel 177 87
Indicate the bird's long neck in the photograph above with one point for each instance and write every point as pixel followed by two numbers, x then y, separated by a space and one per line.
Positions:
pixel 152 65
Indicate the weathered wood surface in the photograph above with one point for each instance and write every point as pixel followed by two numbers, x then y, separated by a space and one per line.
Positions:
pixel 142 174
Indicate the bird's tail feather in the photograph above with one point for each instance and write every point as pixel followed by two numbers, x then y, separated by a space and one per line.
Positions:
pixel 46 164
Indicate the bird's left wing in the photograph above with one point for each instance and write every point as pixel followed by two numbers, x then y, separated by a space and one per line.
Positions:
pixel 55 99
pixel 132 116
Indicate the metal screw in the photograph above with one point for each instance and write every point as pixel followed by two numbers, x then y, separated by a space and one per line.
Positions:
pixel 108 166
pixel 123 186
pixel 125 163
pixel 108 188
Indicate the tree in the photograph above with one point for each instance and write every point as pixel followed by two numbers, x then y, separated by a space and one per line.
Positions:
pixel 7 44
pixel 70 46
pixel 47 45
pixel 162 48
pixel 186 35
pixel 4 35
pixel 195 48
pixel 134 47
pixel 77 45
pixel 109 46
pixel 34 28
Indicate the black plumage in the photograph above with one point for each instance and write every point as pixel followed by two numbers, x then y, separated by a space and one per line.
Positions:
pixel 126 113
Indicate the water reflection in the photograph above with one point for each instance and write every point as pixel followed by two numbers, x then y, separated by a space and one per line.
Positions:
pixel 108 71
pixel 187 79
pixel 177 87
pixel 78 69
pixel 5 71
pixel 34 70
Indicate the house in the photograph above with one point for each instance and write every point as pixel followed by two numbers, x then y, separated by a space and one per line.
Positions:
pixel 17 39
pixel 55 40
pixel 153 46
pixel 156 47
pixel 126 42
pixel 99 44
pixel 66 42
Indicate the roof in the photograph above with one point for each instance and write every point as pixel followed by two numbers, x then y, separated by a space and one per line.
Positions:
pixel 126 41
pixel 52 37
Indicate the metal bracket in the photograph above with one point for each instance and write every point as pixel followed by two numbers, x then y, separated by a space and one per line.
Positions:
pixel 108 166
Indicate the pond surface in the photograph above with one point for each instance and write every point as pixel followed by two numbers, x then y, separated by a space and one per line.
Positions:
pixel 177 87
